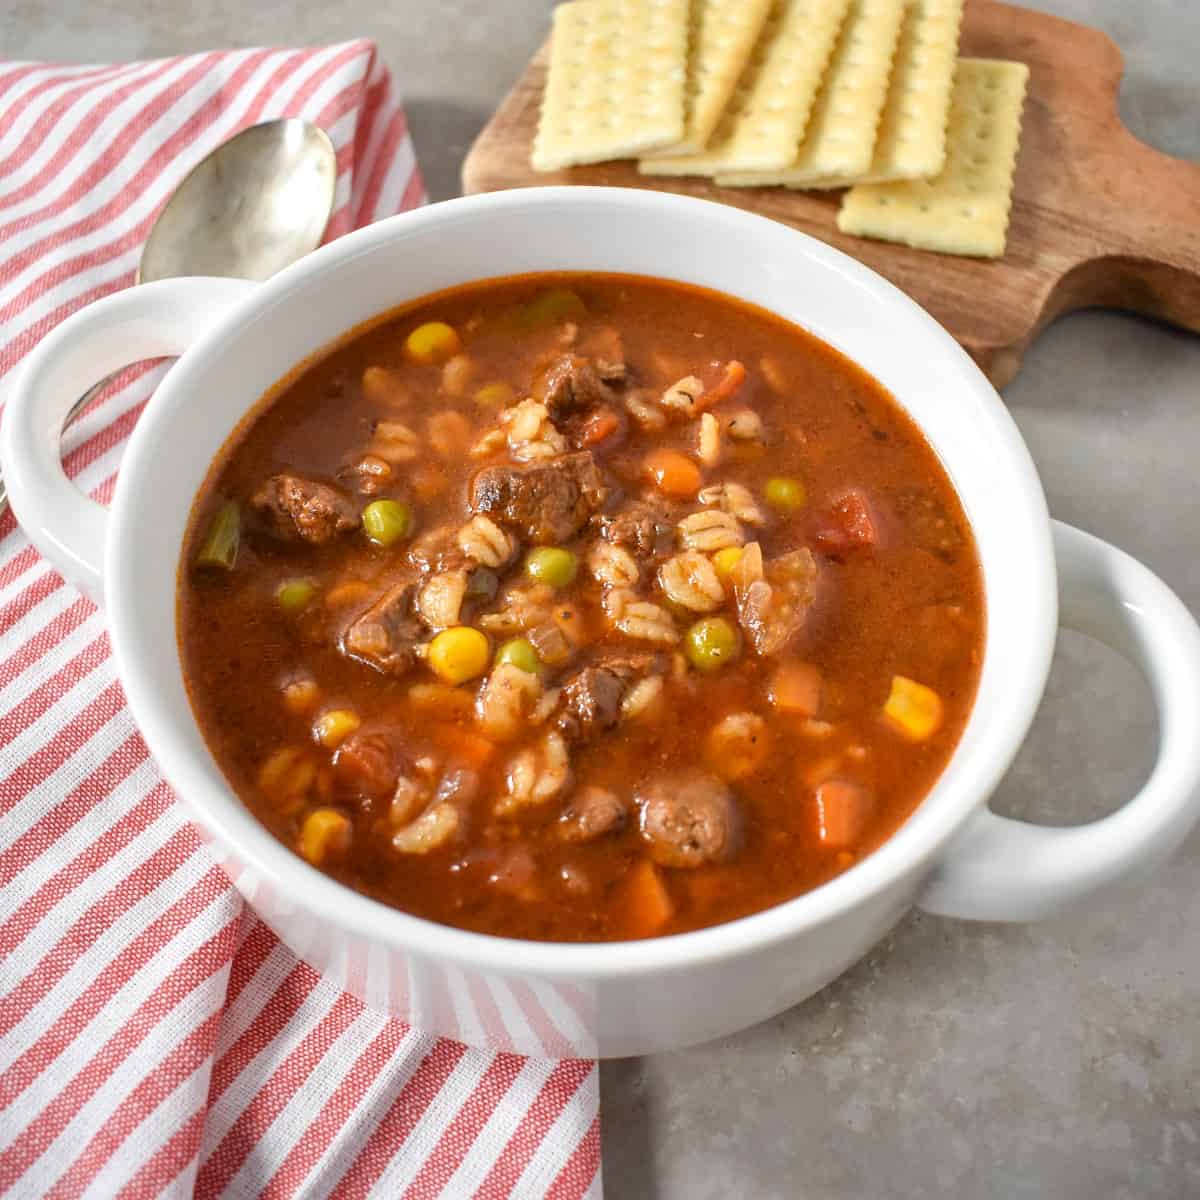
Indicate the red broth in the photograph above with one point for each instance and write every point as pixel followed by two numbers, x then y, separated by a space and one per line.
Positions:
pixel 603 608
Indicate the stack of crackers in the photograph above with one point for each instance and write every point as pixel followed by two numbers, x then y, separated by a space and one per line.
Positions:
pixel 868 95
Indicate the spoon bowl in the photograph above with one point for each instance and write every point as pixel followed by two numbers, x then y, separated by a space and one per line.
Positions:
pixel 255 205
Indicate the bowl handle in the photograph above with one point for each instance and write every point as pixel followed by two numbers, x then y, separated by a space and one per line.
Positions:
pixel 156 320
pixel 998 869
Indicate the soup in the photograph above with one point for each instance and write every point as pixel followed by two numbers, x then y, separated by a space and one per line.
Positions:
pixel 580 607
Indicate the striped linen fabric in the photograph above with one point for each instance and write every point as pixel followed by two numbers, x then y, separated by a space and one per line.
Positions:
pixel 155 1037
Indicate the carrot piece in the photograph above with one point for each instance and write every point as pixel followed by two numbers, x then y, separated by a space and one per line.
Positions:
pixel 673 473
pixel 843 810
pixel 796 688
pixel 732 378
pixel 821 770
pixel 649 902
pixel 600 425
pixel 349 592
pixel 473 750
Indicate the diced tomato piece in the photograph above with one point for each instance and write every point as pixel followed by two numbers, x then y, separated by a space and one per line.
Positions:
pixel 847 525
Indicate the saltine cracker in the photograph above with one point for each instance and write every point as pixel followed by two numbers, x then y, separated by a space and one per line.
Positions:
pixel 615 82
pixel 722 38
pixel 840 141
pixel 965 209
pixel 767 114
pixel 912 130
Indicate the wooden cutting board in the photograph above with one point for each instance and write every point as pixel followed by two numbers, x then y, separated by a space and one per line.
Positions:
pixel 1099 218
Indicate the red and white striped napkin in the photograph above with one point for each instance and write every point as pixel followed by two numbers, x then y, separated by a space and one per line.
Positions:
pixel 155 1037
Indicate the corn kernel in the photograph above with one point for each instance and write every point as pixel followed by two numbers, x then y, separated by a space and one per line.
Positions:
pixel 432 343
pixel 724 562
pixel 333 727
pixel 286 777
pixel 273 771
pixel 495 395
pixel 325 834
pixel 914 709
pixel 459 654
pixel 301 695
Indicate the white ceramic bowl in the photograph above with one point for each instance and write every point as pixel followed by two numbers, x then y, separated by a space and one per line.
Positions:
pixel 952 856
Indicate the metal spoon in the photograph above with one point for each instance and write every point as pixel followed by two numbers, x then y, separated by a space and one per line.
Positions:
pixel 256 204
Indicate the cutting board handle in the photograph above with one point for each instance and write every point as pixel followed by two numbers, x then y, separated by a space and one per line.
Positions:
pixel 1143 211
pixel 1148 241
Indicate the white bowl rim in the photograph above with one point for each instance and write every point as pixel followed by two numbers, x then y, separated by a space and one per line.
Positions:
pixel 914 846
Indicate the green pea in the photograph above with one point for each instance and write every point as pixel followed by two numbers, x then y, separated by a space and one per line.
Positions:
pixel 295 595
pixel 558 304
pixel 551 565
pixel 520 653
pixel 220 545
pixel 787 494
pixel 386 521
pixel 711 643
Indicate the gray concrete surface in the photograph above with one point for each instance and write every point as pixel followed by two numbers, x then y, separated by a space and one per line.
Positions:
pixel 970 1061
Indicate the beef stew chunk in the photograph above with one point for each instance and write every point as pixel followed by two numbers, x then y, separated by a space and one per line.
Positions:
pixel 644 527
pixel 573 385
pixel 580 608
pixel 386 635
pixel 295 507
pixel 544 504
pixel 591 703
